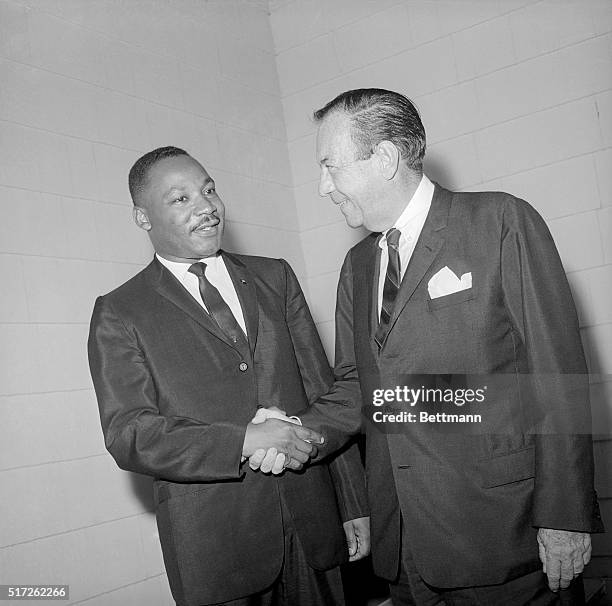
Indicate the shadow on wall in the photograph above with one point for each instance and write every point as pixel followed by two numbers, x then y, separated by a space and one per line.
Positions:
pixel 230 242
pixel 438 171
pixel 603 421
pixel 142 486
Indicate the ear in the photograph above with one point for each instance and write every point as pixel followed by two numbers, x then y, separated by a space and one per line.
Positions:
pixel 389 158
pixel 140 218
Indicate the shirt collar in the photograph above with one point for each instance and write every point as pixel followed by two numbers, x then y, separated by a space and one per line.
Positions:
pixel 418 204
pixel 180 268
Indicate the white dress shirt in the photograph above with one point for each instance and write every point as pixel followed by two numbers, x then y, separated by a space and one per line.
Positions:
pixel 410 224
pixel 217 275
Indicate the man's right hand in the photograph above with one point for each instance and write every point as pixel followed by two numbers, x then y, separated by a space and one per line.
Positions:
pixel 297 443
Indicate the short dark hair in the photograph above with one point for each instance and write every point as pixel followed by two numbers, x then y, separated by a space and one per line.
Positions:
pixel 379 115
pixel 140 170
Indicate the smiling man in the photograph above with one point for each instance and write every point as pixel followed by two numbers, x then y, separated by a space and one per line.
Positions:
pixel 182 356
pixel 464 289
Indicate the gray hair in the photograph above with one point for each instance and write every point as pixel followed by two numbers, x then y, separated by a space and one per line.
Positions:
pixel 381 115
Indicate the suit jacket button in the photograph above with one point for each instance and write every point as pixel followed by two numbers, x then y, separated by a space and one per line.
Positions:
pixel 243 366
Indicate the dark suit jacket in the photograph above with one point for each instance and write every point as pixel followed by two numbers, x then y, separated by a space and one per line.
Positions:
pixel 471 496
pixel 175 396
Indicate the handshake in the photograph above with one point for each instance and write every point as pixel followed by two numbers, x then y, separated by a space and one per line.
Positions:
pixel 274 442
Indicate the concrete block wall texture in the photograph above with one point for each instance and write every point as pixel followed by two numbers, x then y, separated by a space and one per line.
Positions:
pixel 515 95
pixel 87 87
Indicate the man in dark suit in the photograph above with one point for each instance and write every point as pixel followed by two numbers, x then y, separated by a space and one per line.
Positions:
pixel 182 355
pixel 462 295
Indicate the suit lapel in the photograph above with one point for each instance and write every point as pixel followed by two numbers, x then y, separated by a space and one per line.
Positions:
pixel 372 277
pixel 365 261
pixel 428 246
pixel 170 288
pixel 247 294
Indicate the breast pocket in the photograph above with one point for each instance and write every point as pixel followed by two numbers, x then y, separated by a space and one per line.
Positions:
pixel 453 299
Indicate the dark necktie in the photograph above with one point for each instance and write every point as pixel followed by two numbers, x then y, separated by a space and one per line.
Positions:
pixel 217 307
pixel 393 280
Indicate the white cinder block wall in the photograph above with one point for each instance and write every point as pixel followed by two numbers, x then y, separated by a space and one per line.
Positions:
pixel 515 95
pixel 86 86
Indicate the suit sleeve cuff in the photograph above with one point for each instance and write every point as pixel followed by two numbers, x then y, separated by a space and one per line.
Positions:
pixel 228 454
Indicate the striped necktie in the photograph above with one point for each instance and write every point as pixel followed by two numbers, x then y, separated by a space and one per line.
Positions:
pixel 393 280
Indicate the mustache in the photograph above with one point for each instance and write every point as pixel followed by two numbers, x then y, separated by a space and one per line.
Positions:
pixel 208 222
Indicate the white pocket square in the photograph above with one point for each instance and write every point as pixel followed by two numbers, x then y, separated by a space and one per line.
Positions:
pixel 445 282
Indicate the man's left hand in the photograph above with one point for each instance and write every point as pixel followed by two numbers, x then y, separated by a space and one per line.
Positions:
pixel 357 533
pixel 564 554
